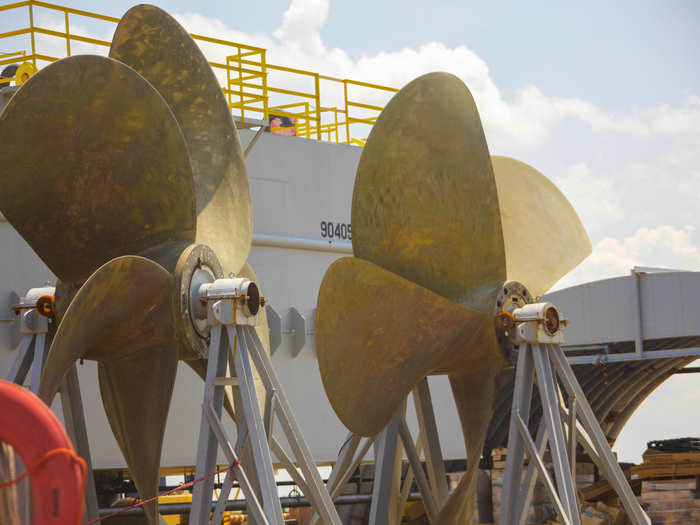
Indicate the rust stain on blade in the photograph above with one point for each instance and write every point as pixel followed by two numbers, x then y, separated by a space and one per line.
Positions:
pixel 425 204
pixel 122 318
pixel 124 307
pixel 136 393
pixel 157 46
pixel 378 334
pixel 97 158
pixel 474 388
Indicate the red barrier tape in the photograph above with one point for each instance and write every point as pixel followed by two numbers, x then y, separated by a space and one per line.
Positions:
pixel 176 489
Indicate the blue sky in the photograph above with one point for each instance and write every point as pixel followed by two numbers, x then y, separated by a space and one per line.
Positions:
pixel 603 98
pixel 617 55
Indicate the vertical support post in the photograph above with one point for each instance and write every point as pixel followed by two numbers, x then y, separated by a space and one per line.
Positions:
pixel 433 453
pixel 23 363
pixel 555 429
pixel 346 464
pixel 347 112
pixel 266 103
pixel 67 34
pixel 572 437
pixel 39 355
pixel 256 432
pixel 317 85
pixel 528 486
pixel 207 447
pixel 240 83
pixel 430 506
pixel 522 397
pixel 318 495
pixel 31 32
pixel 74 418
pixel 384 457
pixel 638 330
pixel 605 459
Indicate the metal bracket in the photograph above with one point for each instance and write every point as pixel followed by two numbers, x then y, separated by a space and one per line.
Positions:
pixel 297 325
pixel 274 323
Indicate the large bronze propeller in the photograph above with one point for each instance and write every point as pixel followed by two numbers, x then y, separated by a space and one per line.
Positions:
pixel 127 178
pixel 441 231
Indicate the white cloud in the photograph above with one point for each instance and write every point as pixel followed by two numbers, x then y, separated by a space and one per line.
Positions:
pixel 662 247
pixel 530 118
pixel 301 26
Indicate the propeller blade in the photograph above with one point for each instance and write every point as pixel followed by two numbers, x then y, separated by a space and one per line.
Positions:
pixel 543 235
pixel 378 334
pixel 122 317
pixel 425 204
pixel 122 310
pixel 475 390
pixel 136 393
pixel 156 46
pixel 99 166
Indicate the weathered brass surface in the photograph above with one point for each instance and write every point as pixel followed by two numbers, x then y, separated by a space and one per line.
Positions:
pixel 156 46
pixel 122 317
pixel 543 235
pixel 118 188
pixel 425 204
pixel 438 227
pixel 378 334
pixel 99 166
pixel 475 388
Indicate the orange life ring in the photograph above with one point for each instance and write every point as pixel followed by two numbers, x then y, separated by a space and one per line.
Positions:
pixel 36 434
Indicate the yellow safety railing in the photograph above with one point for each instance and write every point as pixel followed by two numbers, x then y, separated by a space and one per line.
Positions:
pixel 327 108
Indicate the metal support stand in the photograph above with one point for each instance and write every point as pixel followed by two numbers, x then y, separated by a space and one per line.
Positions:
pixel 386 490
pixel 228 321
pixel 550 365
pixel 34 347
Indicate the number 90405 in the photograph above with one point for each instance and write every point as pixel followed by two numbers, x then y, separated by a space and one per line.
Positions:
pixel 336 230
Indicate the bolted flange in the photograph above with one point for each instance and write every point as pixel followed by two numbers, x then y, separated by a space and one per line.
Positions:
pixel 512 296
pixel 196 266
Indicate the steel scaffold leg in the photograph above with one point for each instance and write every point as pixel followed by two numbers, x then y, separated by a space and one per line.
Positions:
pixel 553 370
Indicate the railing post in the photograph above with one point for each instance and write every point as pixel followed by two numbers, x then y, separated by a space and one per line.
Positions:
pixel 318 106
pixel 240 83
pixel 228 83
pixel 31 33
pixel 67 34
pixel 347 113
pixel 266 106
pixel 337 136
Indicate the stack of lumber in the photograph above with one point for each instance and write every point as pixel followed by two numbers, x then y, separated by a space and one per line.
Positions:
pixel 670 483
pixel 671 501
pixel 599 514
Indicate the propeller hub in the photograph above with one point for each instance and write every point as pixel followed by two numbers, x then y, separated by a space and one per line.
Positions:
pixel 512 296
pixel 197 266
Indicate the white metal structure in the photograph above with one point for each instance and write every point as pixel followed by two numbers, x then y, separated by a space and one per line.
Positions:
pixel 539 352
pixel 231 317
